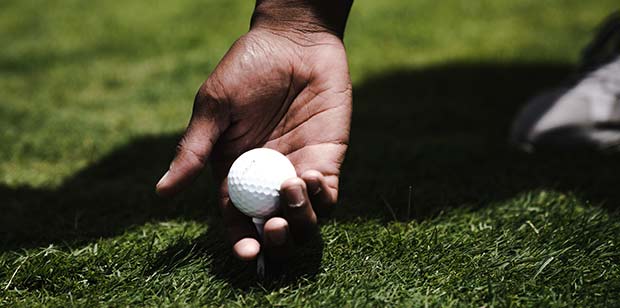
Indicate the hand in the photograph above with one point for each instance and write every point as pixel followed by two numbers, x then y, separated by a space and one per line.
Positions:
pixel 285 90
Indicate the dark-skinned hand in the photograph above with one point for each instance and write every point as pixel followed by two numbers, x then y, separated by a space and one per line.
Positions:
pixel 285 90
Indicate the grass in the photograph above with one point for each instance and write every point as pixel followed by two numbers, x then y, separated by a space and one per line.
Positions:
pixel 94 96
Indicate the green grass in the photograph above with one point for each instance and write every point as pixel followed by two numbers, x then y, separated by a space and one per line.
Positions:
pixel 95 94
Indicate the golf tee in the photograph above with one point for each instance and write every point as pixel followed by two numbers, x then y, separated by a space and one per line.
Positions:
pixel 259 223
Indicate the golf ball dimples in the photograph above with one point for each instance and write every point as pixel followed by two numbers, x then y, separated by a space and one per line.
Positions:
pixel 254 181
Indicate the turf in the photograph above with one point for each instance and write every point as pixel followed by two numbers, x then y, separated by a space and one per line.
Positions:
pixel 95 94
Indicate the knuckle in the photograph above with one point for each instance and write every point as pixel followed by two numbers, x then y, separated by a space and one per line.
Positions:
pixel 210 100
pixel 213 89
pixel 186 151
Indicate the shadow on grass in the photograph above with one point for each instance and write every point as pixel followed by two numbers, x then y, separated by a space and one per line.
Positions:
pixel 444 132
pixel 303 263
pixel 441 130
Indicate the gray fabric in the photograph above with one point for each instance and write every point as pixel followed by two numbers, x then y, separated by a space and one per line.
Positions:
pixel 587 114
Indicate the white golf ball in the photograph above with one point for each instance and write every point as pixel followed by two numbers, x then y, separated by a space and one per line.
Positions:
pixel 254 181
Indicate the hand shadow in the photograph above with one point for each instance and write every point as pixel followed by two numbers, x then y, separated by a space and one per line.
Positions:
pixel 104 199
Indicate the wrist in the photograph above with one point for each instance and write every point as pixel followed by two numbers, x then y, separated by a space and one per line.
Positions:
pixel 305 16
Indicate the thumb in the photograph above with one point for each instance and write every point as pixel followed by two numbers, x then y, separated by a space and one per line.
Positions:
pixel 209 119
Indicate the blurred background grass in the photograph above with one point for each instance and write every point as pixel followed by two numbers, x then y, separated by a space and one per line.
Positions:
pixel 93 96
pixel 79 78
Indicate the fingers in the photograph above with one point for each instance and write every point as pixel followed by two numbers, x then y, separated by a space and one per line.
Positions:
pixel 276 232
pixel 246 249
pixel 207 121
pixel 189 161
pixel 297 225
pixel 323 196
pixel 277 238
pixel 241 232
pixel 297 209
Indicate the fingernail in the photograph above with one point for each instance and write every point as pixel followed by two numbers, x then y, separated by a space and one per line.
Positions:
pixel 296 196
pixel 163 178
pixel 278 236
